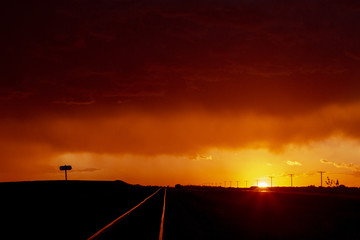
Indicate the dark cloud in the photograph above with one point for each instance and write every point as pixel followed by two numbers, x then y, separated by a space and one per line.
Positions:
pixel 67 62
pixel 258 52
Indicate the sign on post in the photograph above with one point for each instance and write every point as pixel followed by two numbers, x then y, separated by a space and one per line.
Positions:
pixel 65 168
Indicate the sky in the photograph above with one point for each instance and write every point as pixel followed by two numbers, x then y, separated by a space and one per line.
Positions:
pixel 160 92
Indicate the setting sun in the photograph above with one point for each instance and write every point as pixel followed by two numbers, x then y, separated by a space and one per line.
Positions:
pixel 263 185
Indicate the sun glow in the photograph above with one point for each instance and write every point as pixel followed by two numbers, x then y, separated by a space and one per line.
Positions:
pixel 263 185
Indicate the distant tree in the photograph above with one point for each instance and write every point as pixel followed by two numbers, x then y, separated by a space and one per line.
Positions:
pixel 329 182
pixel 337 183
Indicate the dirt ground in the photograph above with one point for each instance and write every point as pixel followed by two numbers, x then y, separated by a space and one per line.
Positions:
pixel 77 209
pixel 234 214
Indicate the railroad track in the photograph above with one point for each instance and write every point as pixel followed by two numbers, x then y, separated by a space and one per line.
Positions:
pixel 150 212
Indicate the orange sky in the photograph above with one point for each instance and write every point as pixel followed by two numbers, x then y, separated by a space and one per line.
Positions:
pixel 190 92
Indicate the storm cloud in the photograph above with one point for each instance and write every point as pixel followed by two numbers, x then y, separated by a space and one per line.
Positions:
pixel 177 77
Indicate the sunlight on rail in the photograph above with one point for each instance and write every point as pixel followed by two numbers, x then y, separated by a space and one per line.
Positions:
pixel 107 227
pixel 162 219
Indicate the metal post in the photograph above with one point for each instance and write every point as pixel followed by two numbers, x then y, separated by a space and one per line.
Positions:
pixel 291 175
pixel 65 174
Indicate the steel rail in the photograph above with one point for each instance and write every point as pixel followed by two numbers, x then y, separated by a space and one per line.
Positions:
pixel 162 219
pixel 107 227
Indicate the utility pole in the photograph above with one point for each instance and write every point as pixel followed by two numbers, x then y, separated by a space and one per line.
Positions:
pixel 291 175
pixel 246 183
pixel 271 177
pixel 321 173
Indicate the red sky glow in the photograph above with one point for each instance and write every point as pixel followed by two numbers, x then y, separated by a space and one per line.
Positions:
pixel 189 92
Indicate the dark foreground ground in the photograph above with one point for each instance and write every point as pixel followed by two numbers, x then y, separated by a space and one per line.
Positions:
pixel 234 214
pixel 76 210
pixel 64 210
